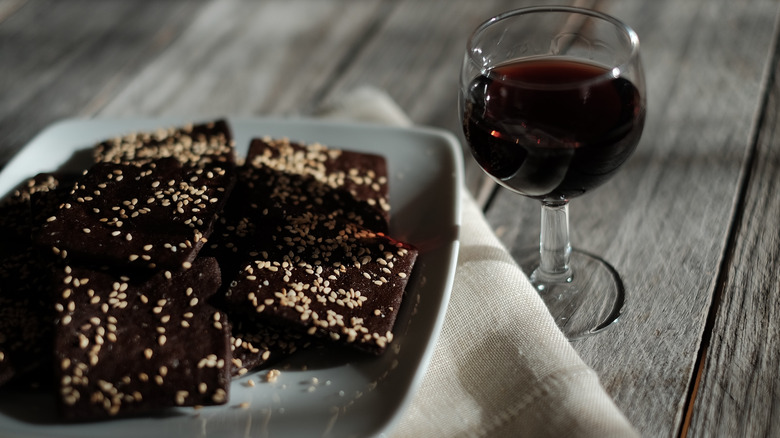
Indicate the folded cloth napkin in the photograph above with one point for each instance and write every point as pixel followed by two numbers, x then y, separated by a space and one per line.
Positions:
pixel 509 371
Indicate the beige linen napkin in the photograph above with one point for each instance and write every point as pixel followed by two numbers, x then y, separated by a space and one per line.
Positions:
pixel 501 368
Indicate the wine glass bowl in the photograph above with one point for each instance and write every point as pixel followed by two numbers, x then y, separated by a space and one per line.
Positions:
pixel 552 103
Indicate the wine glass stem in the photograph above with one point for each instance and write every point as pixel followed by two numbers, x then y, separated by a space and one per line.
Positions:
pixel 554 245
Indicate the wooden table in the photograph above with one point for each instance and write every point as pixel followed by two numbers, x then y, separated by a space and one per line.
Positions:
pixel 692 221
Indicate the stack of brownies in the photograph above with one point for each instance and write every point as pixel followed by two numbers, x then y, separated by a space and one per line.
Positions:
pixel 170 266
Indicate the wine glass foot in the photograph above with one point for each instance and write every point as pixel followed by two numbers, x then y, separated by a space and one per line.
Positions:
pixel 589 300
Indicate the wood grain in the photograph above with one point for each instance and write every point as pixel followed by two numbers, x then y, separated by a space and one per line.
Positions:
pixel 663 221
pixel 697 204
pixel 256 64
pixel 739 392
pixel 65 59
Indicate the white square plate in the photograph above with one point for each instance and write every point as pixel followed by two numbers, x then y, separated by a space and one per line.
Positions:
pixel 320 392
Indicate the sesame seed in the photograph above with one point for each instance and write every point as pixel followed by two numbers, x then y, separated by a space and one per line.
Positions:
pixel 272 375
pixel 219 396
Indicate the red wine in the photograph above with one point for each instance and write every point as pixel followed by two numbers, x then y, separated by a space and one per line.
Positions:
pixel 552 128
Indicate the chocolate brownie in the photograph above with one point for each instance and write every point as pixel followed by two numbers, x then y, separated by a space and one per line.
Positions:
pixel 155 215
pixel 305 258
pixel 311 175
pixel 26 318
pixel 281 181
pixel 348 289
pixel 191 144
pixel 15 212
pixel 126 345
pixel 255 345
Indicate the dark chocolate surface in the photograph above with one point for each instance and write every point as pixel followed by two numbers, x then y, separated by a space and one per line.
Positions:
pixel 157 215
pixel 297 250
pixel 130 306
pixel 256 345
pixel 192 144
pixel 26 313
pixel 352 184
pixel 129 345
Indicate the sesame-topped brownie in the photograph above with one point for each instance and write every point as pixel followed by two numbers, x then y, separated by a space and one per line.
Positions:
pixel 191 144
pixel 25 319
pixel 125 345
pixel 15 212
pixel 25 301
pixel 155 215
pixel 255 345
pixel 307 259
pixel 354 183
pixel 283 180
pixel 176 270
pixel 353 298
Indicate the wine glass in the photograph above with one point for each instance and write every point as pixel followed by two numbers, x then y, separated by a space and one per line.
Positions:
pixel 552 101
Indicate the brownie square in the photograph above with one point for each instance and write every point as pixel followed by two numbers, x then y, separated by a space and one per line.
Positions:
pixel 348 290
pixel 283 181
pixel 154 216
pixel 255 345
pixel 16 214
pixel 26 319
pixel 353 184
pixel 297 249
pixel 127 345
pixel 191 144
pixel 26 315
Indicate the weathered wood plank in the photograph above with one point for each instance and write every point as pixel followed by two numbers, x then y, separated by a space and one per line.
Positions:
pixel 270 58
pixel 64 59
pixel 110 59
pixel 663 221
pixel 9 7
pixel 739 393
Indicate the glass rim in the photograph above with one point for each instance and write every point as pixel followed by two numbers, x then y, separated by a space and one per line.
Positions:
pixel 633 38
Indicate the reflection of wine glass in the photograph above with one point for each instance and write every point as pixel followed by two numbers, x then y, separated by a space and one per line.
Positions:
pixel 553 103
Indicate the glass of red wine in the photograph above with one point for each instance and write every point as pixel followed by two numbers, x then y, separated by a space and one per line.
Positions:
pixel 552 101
